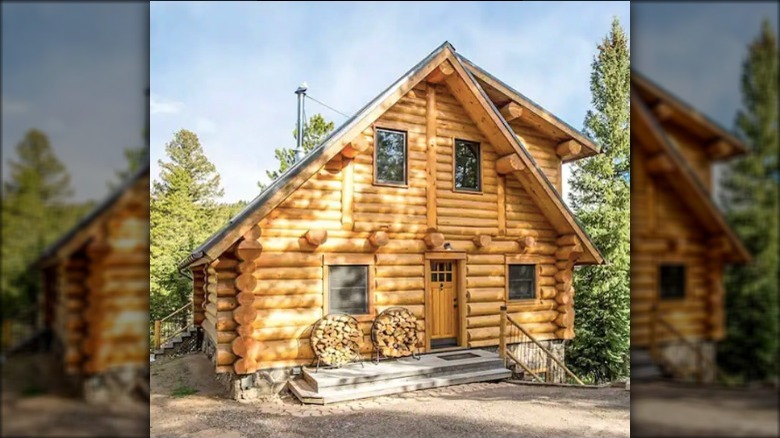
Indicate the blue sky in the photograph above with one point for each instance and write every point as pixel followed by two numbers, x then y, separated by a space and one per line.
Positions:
pixel 79 73
pixel 695 50
pixel 228 71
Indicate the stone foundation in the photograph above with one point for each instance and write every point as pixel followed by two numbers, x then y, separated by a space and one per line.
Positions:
pixel 534 358
pixel 260 385
pixel 119 385
pixel 685 361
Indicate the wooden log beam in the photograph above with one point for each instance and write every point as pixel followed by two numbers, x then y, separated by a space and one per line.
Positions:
pixel 526 242
pixel 430 171
pixel 659 163
pixel 678 245
pixel 433 239
pixel 347 195
pixel 249 249
pixel 568 239
pixel 718 148
pixel 662 111
pixel 440 74
pixel 501 201
pixel 511 111
pixel 355 147
pixel 316 237
pixel 378 239
pixel 568 148
pixel 718 245
pixel 483 241
pixel 569 252
pixel 509 164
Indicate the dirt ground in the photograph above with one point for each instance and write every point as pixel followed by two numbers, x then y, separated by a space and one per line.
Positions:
pixel 669 409
pixel 483 409
pixel 36 402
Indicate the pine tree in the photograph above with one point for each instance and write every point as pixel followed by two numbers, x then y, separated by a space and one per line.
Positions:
pixel 315 130
pixel 35 213
pixel 182 214
pixel 601 200
pixel 750 199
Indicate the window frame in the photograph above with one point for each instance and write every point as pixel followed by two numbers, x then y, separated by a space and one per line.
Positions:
pixel 405 133
pixel 511 260
pixel 685 281
pixel 477 191
pixel 367 260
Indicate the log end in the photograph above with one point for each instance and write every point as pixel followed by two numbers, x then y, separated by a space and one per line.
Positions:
pixel 316 237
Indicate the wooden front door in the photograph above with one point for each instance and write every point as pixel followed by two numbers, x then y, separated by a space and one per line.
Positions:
pixel 444 311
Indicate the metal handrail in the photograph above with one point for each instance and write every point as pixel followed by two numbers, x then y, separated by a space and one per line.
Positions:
pixel 504 353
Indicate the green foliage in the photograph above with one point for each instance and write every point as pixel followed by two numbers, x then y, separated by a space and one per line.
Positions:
pixel 750 198
pixel 35 212
pixel 601 200
pixel 183 213
pixel 135 158
pixel 183 390
pixel 315 130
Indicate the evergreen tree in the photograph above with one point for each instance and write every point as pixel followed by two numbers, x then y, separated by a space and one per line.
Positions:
pixel 35 213
pixel 182 208
pixel 134 158
pixel 601 200
pixel 315 130
pixel 750 198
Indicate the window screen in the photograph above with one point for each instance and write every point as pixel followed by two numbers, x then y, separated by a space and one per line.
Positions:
pixel 522 282
pixel 348 288
pixel 390 156
pixel 672 281
pixel 467 165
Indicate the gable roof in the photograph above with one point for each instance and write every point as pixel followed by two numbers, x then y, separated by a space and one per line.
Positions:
pixel 667 106
pixel 538 186
pixel 80 232
pixel 655 141
pixel 500 93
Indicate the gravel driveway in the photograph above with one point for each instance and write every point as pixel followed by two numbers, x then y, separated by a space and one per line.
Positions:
pixel 482 409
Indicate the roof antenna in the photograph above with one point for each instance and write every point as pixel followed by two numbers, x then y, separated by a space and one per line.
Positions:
pixel 299 152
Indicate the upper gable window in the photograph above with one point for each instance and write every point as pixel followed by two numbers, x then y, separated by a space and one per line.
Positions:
pixel 468 168
pixel 390 157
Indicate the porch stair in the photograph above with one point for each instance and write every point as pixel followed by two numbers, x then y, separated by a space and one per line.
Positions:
pixel 433 370
pixel 181 343
pixel 643 367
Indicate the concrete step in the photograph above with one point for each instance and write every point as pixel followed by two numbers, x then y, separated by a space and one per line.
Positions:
pixel 306 393
pixel 435 364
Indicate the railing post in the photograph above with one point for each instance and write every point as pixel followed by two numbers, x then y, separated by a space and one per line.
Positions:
pixel 653 322
pixel 502 336
pixel 157 334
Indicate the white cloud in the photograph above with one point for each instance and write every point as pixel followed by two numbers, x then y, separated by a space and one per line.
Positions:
pixel 162 105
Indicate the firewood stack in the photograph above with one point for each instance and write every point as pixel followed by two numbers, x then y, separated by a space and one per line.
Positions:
pixel 335 339
pixel 395 332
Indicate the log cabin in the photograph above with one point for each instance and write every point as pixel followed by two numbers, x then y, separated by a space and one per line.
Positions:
pixel 95 297
pixel 442 195
pixel 680 242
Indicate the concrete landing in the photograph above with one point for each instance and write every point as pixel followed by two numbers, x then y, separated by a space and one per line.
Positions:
pixel 433 370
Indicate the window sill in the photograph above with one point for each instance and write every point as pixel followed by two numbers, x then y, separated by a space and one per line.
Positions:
pixel 523 301
pixel 393 185
pixel 468 192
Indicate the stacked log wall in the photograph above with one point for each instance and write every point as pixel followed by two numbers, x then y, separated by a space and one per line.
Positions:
pixel 283 281
pixel 666 232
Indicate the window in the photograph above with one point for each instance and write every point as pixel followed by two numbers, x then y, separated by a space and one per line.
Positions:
pixel 672 281
pixel 467 166
pixel 390 157
pixel 348 289
pixel 522 282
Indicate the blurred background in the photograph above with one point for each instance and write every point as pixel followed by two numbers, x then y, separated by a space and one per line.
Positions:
pixel 75 80
pixel 704 126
